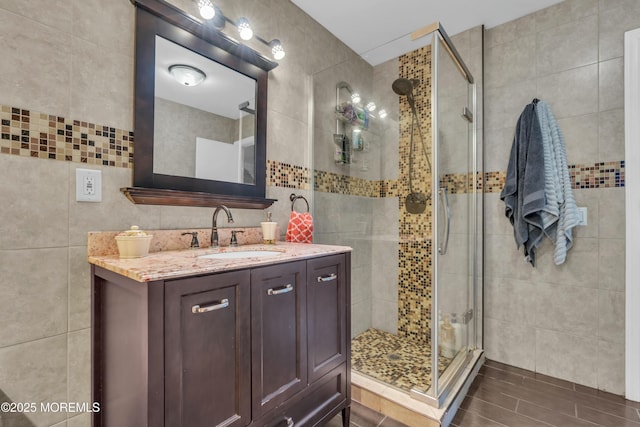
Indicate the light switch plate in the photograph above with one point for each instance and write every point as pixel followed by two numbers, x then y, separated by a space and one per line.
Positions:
pixel 88 185
pixel 582 212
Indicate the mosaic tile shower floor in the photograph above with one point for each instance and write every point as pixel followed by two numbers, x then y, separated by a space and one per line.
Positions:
pixel 393 360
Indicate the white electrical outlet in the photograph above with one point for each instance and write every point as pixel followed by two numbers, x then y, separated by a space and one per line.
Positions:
pixel 88 185
pixel 582 212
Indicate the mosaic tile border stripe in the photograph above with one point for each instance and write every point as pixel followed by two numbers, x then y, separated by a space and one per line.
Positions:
pixel 583 176
pixel 287 175
pixel 329 182
pixel 33 134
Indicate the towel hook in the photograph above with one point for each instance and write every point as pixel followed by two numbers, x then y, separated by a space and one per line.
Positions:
pixel 293 199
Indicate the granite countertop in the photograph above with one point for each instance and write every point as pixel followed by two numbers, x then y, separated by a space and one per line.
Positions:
pixel 182 263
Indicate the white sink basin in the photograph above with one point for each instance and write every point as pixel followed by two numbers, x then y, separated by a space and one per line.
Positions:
pixel 242 254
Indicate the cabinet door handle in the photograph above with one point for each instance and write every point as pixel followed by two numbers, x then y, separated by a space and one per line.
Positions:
pixel 289 421
pixel 330 277
pixel 196 309
pixel 280 290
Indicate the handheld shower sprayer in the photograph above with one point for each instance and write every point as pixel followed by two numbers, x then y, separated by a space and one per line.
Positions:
pixel 415 202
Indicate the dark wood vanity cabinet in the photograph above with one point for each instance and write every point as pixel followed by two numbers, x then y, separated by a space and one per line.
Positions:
pixel 265 346
pixel 207 345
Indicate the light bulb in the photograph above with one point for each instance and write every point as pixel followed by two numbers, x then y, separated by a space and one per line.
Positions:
pixel 355 97
pixel 371 106
pixel 382 113
pixel 207 10
pixel 276 49
pixel 246 33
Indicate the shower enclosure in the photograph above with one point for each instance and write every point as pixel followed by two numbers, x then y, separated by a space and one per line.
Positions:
pixel 409 201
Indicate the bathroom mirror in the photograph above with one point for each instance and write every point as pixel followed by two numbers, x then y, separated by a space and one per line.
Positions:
pixel 204 117
pixel 204 144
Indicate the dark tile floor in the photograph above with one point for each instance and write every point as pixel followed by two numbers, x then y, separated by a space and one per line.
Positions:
pixel 504 396
pixel 361 416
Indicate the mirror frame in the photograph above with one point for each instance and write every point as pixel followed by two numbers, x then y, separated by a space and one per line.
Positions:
pixel 159 18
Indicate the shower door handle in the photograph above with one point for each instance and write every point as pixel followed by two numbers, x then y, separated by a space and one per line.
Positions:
pixel 445 202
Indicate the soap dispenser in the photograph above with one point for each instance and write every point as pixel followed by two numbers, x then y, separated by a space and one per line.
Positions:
pixel 269 230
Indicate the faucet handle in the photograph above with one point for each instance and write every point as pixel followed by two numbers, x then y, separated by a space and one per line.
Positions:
pixel 234 239
pixel 194 239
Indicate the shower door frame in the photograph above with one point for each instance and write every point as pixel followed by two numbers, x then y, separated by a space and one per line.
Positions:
pixel 438 393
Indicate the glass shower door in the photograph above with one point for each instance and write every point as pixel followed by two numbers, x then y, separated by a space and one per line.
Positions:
pixel 454 198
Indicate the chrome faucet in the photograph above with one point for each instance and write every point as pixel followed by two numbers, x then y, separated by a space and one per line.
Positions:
pixel 214 225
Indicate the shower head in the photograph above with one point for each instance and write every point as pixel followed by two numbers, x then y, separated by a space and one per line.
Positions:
pixel 403 86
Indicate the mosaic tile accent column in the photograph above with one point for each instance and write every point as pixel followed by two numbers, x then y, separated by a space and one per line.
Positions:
pixel 414 270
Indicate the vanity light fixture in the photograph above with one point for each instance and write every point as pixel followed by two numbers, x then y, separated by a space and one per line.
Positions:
pixel 244 29
pixel 371 106
pixel 212 13
pixel 207 11
pixel 276 49
pixel 382 113
pixel 355 97
pixel 187 75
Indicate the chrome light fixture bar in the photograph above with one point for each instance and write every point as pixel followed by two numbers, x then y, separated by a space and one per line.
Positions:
pixel 211 12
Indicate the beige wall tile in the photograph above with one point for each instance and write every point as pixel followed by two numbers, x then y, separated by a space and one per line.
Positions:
pixel 59 17
pixel 610 367
pixel 497 147
pixel 79 366
pixel 384 315
pixel 611 267
pixel 495 220
pixel 384 267
pixel 564 12
pixel 35 61
pixel 566 46
pixel 102 91
pixel 510 62
pixel 568 357
pixel 79 289
pixel 34 290
pixel 616 17
pixel 95 20
pixel 581 138
pixel 571 93
pixel 611 315
pixel 589 199
pixel 510 300
pixel 521 27
pixel 612 213
pixel 292 140
pixel 504 104
pixel 556 309
pixel 509 343
pixel 360 317
pixel 41 219
pixel 611 135
pixel 36 372
pixel 580 268
pixel 611 84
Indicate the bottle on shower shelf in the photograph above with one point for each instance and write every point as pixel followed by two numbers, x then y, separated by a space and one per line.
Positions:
pixel 447 338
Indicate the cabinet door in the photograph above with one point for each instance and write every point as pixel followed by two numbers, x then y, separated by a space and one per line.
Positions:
pixel 207 358
pixel 278 334
pixel 326 314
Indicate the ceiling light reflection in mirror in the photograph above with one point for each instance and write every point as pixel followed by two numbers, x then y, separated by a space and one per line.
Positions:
pixel 196 124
